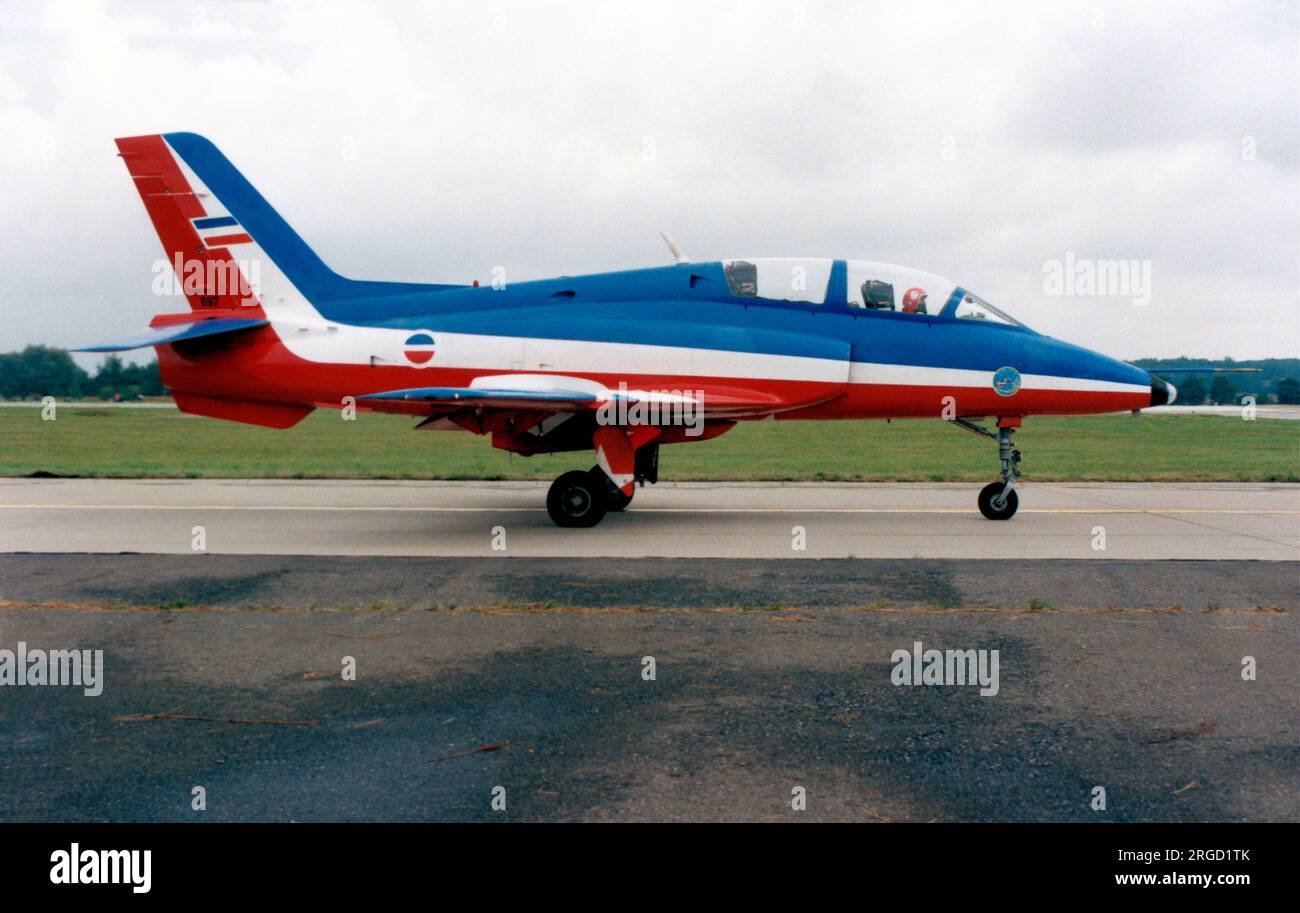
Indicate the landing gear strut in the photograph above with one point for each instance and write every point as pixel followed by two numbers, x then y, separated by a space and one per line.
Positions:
pixel 615 500
pixel 998 500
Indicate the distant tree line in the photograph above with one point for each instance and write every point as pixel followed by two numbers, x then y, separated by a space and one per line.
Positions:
pixel 1275 382
pixel 1223 390
pixel 39 371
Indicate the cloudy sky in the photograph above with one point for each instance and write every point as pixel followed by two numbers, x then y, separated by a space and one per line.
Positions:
pixel 977 140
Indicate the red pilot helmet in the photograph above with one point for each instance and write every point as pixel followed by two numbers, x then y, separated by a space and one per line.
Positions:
pixel 914 301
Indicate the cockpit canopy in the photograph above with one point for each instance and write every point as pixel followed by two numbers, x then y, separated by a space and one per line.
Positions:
pixel 780 278
pixel 867 287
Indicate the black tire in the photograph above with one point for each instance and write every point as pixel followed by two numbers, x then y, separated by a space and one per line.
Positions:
pixel 1008 509
pixel 576 500
pixel 615 500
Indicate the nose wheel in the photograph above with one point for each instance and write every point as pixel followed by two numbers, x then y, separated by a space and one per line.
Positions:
pixel 998 500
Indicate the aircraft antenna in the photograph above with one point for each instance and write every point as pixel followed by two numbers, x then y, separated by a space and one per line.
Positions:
pixel 678 254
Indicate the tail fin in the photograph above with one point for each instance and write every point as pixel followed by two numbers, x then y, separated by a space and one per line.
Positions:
pixel 204 210
pixel 197 234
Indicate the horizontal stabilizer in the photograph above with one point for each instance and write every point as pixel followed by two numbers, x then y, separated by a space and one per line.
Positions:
pixel 175 332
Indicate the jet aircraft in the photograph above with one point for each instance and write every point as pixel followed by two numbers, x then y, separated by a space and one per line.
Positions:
pixel 618 363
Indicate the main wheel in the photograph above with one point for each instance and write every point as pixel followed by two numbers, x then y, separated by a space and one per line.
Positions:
pixel 1008 508
pixel 615 500
pixel 576 499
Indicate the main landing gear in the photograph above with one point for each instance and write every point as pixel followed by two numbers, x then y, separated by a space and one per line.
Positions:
pixel 581 499
pixel 998 500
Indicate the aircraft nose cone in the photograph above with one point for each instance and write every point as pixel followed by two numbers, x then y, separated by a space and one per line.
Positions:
pixel 1162 392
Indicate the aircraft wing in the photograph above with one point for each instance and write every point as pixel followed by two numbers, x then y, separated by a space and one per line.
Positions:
pixel 553 393
pixel 555 400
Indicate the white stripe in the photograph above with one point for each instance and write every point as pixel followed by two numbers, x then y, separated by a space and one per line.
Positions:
pixel 873 373
pixel 207 234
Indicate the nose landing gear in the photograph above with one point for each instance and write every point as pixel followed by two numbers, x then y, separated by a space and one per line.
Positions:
pixel 998 500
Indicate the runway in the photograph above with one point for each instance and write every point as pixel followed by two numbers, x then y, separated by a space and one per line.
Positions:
pixel 523 669
pixel 1133 521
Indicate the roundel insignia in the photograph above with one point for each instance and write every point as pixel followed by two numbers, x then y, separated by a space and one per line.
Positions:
pixel 419 349
pixel 1006 381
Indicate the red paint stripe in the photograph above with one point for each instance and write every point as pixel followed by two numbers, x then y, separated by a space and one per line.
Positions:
pixel 223 240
